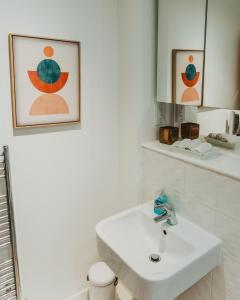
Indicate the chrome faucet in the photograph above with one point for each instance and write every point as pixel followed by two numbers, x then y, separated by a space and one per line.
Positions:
pixel 169 215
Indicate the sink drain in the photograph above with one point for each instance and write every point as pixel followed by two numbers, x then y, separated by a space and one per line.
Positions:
pixel 155 258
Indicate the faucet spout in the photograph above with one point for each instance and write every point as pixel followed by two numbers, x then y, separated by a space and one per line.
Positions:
pixel 169 214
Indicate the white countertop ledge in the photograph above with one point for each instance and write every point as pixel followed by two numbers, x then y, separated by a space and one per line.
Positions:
pixel 226 162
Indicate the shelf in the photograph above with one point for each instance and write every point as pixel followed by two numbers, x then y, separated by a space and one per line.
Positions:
pixel 224 162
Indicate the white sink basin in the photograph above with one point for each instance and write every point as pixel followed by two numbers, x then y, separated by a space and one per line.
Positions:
pixel 126 240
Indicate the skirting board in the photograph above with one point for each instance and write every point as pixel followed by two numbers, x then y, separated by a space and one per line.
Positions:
pixel 83 295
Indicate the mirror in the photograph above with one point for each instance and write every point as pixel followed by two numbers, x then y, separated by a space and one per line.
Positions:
pixel 222 55
pixel 181 26
pixel 185 25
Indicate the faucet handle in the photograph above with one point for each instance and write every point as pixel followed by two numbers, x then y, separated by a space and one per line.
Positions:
pixel 167 206
pixel 170 213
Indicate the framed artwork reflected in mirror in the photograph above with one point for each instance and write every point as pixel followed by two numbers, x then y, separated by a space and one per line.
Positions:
pixel 187 77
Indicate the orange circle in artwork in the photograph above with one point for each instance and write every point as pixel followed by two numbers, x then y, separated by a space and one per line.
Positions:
pixel 190 58
pixel 48 51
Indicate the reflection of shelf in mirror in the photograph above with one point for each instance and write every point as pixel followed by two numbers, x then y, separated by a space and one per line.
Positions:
pixel 225 162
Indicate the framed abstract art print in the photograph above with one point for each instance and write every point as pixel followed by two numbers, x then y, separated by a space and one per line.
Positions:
pixel 45 81
pixel 187 77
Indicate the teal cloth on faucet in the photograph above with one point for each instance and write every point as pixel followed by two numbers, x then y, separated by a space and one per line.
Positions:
pixel 160 199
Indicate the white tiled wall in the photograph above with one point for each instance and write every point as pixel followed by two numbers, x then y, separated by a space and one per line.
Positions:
pixel 210 200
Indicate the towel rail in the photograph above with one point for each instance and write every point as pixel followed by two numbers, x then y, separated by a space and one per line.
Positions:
pixel 9 273
pixel 6 271
pixel 8 294
pixel 4 225
pixel 3 220
pixel 9 282
pixel 4 230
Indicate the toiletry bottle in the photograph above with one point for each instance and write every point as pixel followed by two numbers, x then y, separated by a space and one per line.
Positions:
pixel 160 199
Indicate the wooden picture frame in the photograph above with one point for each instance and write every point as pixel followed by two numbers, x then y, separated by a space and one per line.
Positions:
pixel 187 76
pixel 45 81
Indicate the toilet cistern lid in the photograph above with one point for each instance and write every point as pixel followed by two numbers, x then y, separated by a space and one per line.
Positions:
pixel 101 275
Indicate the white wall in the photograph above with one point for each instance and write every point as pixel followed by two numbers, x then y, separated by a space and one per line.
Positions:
pixel 64 179
pixel 137 49
pixel 209 200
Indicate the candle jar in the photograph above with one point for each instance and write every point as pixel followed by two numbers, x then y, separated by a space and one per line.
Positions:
pixel 168 134
pixel 189 131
